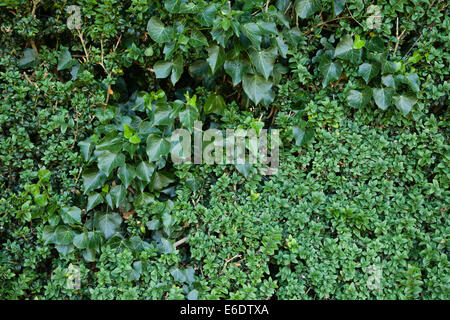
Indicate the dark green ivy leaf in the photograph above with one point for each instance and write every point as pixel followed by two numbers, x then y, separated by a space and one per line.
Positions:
pixel 306 8
pixel 383 97
pixel 158 31
pixel 258 89
pixel 404 103
pixel 368 71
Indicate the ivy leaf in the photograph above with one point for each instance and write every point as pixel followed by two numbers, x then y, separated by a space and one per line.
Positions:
pixel 267 27
pixel 345 50
pixel 118 194
pixel 86 148
pixel 413 81
pixel 189 116
pixel 198 39
pixel 177 69
pixel 63 236
pixel 383 97
pixel 126 174
pixel 64 60
pixel 263 61
pixel 157 147
pixel 214 104
pixel 258 89
pixel 282 46
pixel 206 16
pixel 358 43
pixel 108 161
pixel 404 103
pixel 48 234
pixel 94 199
pixel 143 199
pixel 107 223
pixel 368 71
pixel 162 69
pixel 161 179
pixel 389 81
pixel 305 8
pixel 128 131
pixel 388 66
pixel 235 69
pixel 192 295
pixel 172 5
pixel 93 179
pixel 252 32
pixel 111 142
pixel 330 70
pixel 158 31
pixel 144 171
pixel 161 115
pixel 71 215
pixel 216 58
pixel 29 58
pixel 244 169
pixel 338 6
pixel 358 99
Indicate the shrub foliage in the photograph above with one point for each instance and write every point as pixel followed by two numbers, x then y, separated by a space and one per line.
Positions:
pixel 91 90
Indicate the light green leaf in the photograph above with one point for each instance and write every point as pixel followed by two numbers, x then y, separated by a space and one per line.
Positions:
pixel 172 5
pixel 267 27
pixel 389 81
pixel 282 46
pixel 161 115
pixel 358 43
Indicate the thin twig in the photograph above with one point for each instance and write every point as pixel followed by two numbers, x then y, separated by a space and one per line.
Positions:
pixel 229 260
pixel 180 242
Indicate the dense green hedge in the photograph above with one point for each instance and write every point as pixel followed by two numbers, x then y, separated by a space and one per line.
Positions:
pixel 86 180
